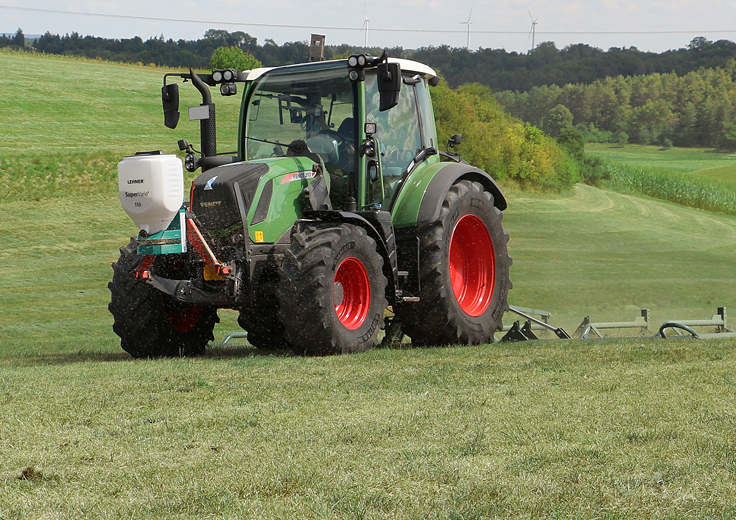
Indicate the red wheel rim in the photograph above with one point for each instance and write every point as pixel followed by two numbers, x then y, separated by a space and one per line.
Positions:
pixel 351 293
pixel 472 265
pixel 185 320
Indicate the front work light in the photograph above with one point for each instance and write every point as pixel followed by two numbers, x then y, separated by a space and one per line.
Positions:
pixel 228 89
pixel 224 75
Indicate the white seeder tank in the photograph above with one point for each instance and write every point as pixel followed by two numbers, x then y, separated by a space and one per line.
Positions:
pixel 151 189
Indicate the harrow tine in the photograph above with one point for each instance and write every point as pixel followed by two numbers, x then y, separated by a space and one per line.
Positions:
pixel 525 333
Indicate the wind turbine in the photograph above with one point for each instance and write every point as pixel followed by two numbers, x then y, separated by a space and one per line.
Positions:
pixel 365 24
pixel 533 30
pixel 468 23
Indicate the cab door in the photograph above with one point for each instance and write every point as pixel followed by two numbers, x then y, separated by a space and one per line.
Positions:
pixel 400 135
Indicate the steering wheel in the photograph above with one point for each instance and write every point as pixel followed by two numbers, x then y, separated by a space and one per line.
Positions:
pixel 299 148
pixel 345 148
pixel 332 133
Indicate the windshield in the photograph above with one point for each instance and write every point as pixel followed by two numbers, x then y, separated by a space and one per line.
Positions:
pixel 317 107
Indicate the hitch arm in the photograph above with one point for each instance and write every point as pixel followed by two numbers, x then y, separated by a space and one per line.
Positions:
pixel 203 249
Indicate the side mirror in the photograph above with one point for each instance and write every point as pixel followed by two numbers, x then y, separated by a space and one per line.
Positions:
pixel 455 139
pixel 389 85
pixel 170 100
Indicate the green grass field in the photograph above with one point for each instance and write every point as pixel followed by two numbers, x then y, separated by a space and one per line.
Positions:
pixel 703 162
pixel 92 106
pixel 719 173
pixel 64 137
pixel 634 428
pixel 622 429
pixel 617 430
pixel 607 255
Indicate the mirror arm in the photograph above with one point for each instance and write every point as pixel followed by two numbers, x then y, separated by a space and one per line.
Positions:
pixel 202 87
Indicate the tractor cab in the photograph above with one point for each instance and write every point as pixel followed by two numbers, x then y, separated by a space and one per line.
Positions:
pixel 366 121
pixel 365 136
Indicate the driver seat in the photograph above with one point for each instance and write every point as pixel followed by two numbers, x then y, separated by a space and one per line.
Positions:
pixel 347 128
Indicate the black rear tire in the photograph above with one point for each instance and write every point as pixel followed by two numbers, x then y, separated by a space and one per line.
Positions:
pixel 464 272
pixel 151 323
pixel 332 291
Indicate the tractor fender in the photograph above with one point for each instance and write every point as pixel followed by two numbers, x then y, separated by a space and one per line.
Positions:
pixel 434 195
pixel 337 216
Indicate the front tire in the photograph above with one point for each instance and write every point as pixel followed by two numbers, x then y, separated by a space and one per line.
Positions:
pixel 332 291
pixel 151 323
pixel 464 272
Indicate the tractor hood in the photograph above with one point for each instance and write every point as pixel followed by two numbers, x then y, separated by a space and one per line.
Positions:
pixel 261 192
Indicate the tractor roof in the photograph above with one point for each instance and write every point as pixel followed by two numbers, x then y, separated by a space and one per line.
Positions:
pixel 406 65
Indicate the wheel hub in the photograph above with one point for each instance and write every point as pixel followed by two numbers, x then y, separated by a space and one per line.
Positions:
pixel 351 293
pixel 472 265
pixel 338 293
pixel 183 320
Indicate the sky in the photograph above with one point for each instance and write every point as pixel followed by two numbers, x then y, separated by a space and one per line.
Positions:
pixel 653 25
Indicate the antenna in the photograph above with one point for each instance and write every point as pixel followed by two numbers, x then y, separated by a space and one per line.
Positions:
pixel 533 30
pixel 365 24
pixel 468 23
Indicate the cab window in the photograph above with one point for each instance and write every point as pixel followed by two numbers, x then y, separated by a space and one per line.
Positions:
pixel 397 130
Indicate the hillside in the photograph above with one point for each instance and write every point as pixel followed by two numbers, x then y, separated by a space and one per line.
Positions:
pixel 607 255
pixel 95 111
pixel 91 105
pixel 64 137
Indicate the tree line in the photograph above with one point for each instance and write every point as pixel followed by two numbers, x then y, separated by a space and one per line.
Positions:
pixel 18 40
pixel 546 65
pixel 495 68
pixel 158 50
pixel 695 109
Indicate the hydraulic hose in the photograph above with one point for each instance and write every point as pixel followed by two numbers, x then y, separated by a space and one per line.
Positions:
pixel 674 325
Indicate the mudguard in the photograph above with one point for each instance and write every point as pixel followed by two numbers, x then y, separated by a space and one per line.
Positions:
pixel 378 226
pixel 433 181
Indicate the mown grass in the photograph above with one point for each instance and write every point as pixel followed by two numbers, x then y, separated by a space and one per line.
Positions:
pixel 579 430
pixel 607 255
pixel 624 429
pixel 592 252
pixel 32 176
pixel 65 136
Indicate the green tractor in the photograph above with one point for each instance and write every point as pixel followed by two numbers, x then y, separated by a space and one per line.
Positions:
pixel 337 206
